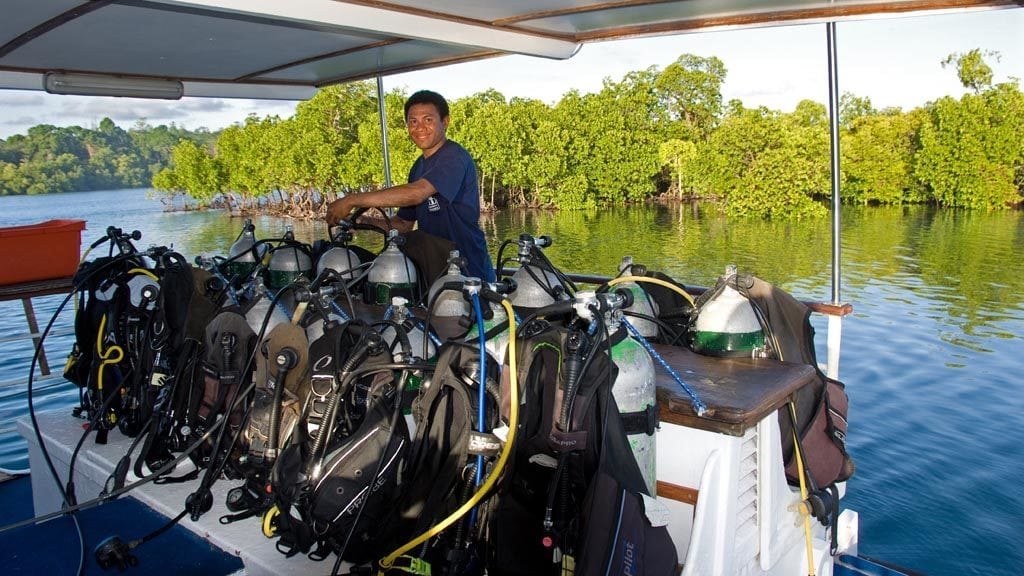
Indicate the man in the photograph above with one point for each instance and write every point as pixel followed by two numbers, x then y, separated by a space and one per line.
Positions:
pixel 442 195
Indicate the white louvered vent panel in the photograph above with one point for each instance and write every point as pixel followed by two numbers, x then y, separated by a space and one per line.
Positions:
pixel 746 501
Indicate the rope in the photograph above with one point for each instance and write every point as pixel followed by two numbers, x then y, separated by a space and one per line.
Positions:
pixel 698 406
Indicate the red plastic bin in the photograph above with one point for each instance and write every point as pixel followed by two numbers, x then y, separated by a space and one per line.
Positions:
pixel 41 251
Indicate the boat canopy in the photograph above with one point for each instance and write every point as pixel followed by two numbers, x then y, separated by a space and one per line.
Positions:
pixel 288 49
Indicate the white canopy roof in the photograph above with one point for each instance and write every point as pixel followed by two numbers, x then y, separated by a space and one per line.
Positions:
pixel 289 48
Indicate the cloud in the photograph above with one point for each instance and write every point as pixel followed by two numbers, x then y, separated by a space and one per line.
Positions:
pixel 19 121
pixel 19 99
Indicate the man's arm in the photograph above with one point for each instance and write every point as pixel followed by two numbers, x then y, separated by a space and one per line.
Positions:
pixel 409 194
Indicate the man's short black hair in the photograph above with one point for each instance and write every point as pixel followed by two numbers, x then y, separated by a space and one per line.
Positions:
pixel 428 97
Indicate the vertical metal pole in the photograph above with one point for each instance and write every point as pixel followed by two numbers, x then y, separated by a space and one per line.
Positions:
pixel 382 112
pixel 833 105
pixel 834 322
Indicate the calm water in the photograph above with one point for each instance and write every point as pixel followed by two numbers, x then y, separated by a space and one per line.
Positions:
pixel 932 356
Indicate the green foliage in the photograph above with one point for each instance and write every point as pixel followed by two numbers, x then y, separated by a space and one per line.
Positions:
pixel 972 155
pixel 57 159
pixel 196 171
pixel 769 165
pixel 877 155
pixel 971 68
pixel 690 91
pixel 650 132
pixel 678 156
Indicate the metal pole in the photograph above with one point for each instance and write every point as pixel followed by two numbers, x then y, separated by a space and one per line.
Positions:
pixel 382 113
pixel 833 105
pixel 835 323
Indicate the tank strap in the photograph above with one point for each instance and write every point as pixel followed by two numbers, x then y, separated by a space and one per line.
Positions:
pixel 644 421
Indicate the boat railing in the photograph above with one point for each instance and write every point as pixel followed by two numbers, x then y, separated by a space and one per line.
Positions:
pixel 832 311
pixel 26 292
pixel 824 308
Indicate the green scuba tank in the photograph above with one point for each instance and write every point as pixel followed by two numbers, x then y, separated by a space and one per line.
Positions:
pixel 244 254
pixel 726 324
pixel 288 261
pixel 497 344
pixel 391 274
pixel 634 386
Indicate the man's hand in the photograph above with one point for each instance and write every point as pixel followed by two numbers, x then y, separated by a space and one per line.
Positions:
pixel 339 210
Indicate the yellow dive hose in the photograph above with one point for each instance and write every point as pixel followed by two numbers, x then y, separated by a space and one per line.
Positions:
pixel 145 272
pixel 111 355
pixel 513 421
pixel 804 511
pixel 657 281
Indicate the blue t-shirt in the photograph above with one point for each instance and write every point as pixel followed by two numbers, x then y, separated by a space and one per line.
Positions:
pixel 453 212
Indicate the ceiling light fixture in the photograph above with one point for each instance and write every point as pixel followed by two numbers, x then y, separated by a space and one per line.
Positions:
pixel 98 85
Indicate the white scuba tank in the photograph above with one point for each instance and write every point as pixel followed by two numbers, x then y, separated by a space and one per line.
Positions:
pixel 449 303
pixel 400 315
pixel 261 308
pixel 288 262
pixel 340 259
pixel 534 284
pixel 642 304
pixel 633 389
pixel 726 324
pixel 241 259
pixel 391 274
pixel 316 329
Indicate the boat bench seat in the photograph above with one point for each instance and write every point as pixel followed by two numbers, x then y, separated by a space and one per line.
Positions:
pixel 738 392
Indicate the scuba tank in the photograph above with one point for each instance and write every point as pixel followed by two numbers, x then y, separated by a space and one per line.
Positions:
pixel 244 255
pixel 449 303
pixel 392 274
pixel 726 324
pixel 400 315
pixel 537 284
pixel 413 331
pixel 634 386
pixel 288 261
pixel 497 344
pixel 642 304
pixel 260 308
pixel 339 258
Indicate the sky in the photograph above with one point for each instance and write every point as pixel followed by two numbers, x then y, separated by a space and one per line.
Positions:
pixel 895 62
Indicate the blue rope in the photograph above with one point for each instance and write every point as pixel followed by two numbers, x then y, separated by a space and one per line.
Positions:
pixel 340 311
pixel 280 305
pixel 430 333
pixel 698 406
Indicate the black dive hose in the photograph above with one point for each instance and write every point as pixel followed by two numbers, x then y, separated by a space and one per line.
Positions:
pixel 285 360
pixel 70 509
pixel 35 360
pixel 201 500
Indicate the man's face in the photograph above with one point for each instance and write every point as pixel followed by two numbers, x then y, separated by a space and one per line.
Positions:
pixel 426 127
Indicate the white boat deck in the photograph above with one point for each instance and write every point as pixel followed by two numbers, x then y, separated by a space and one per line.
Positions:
pixel 244 538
